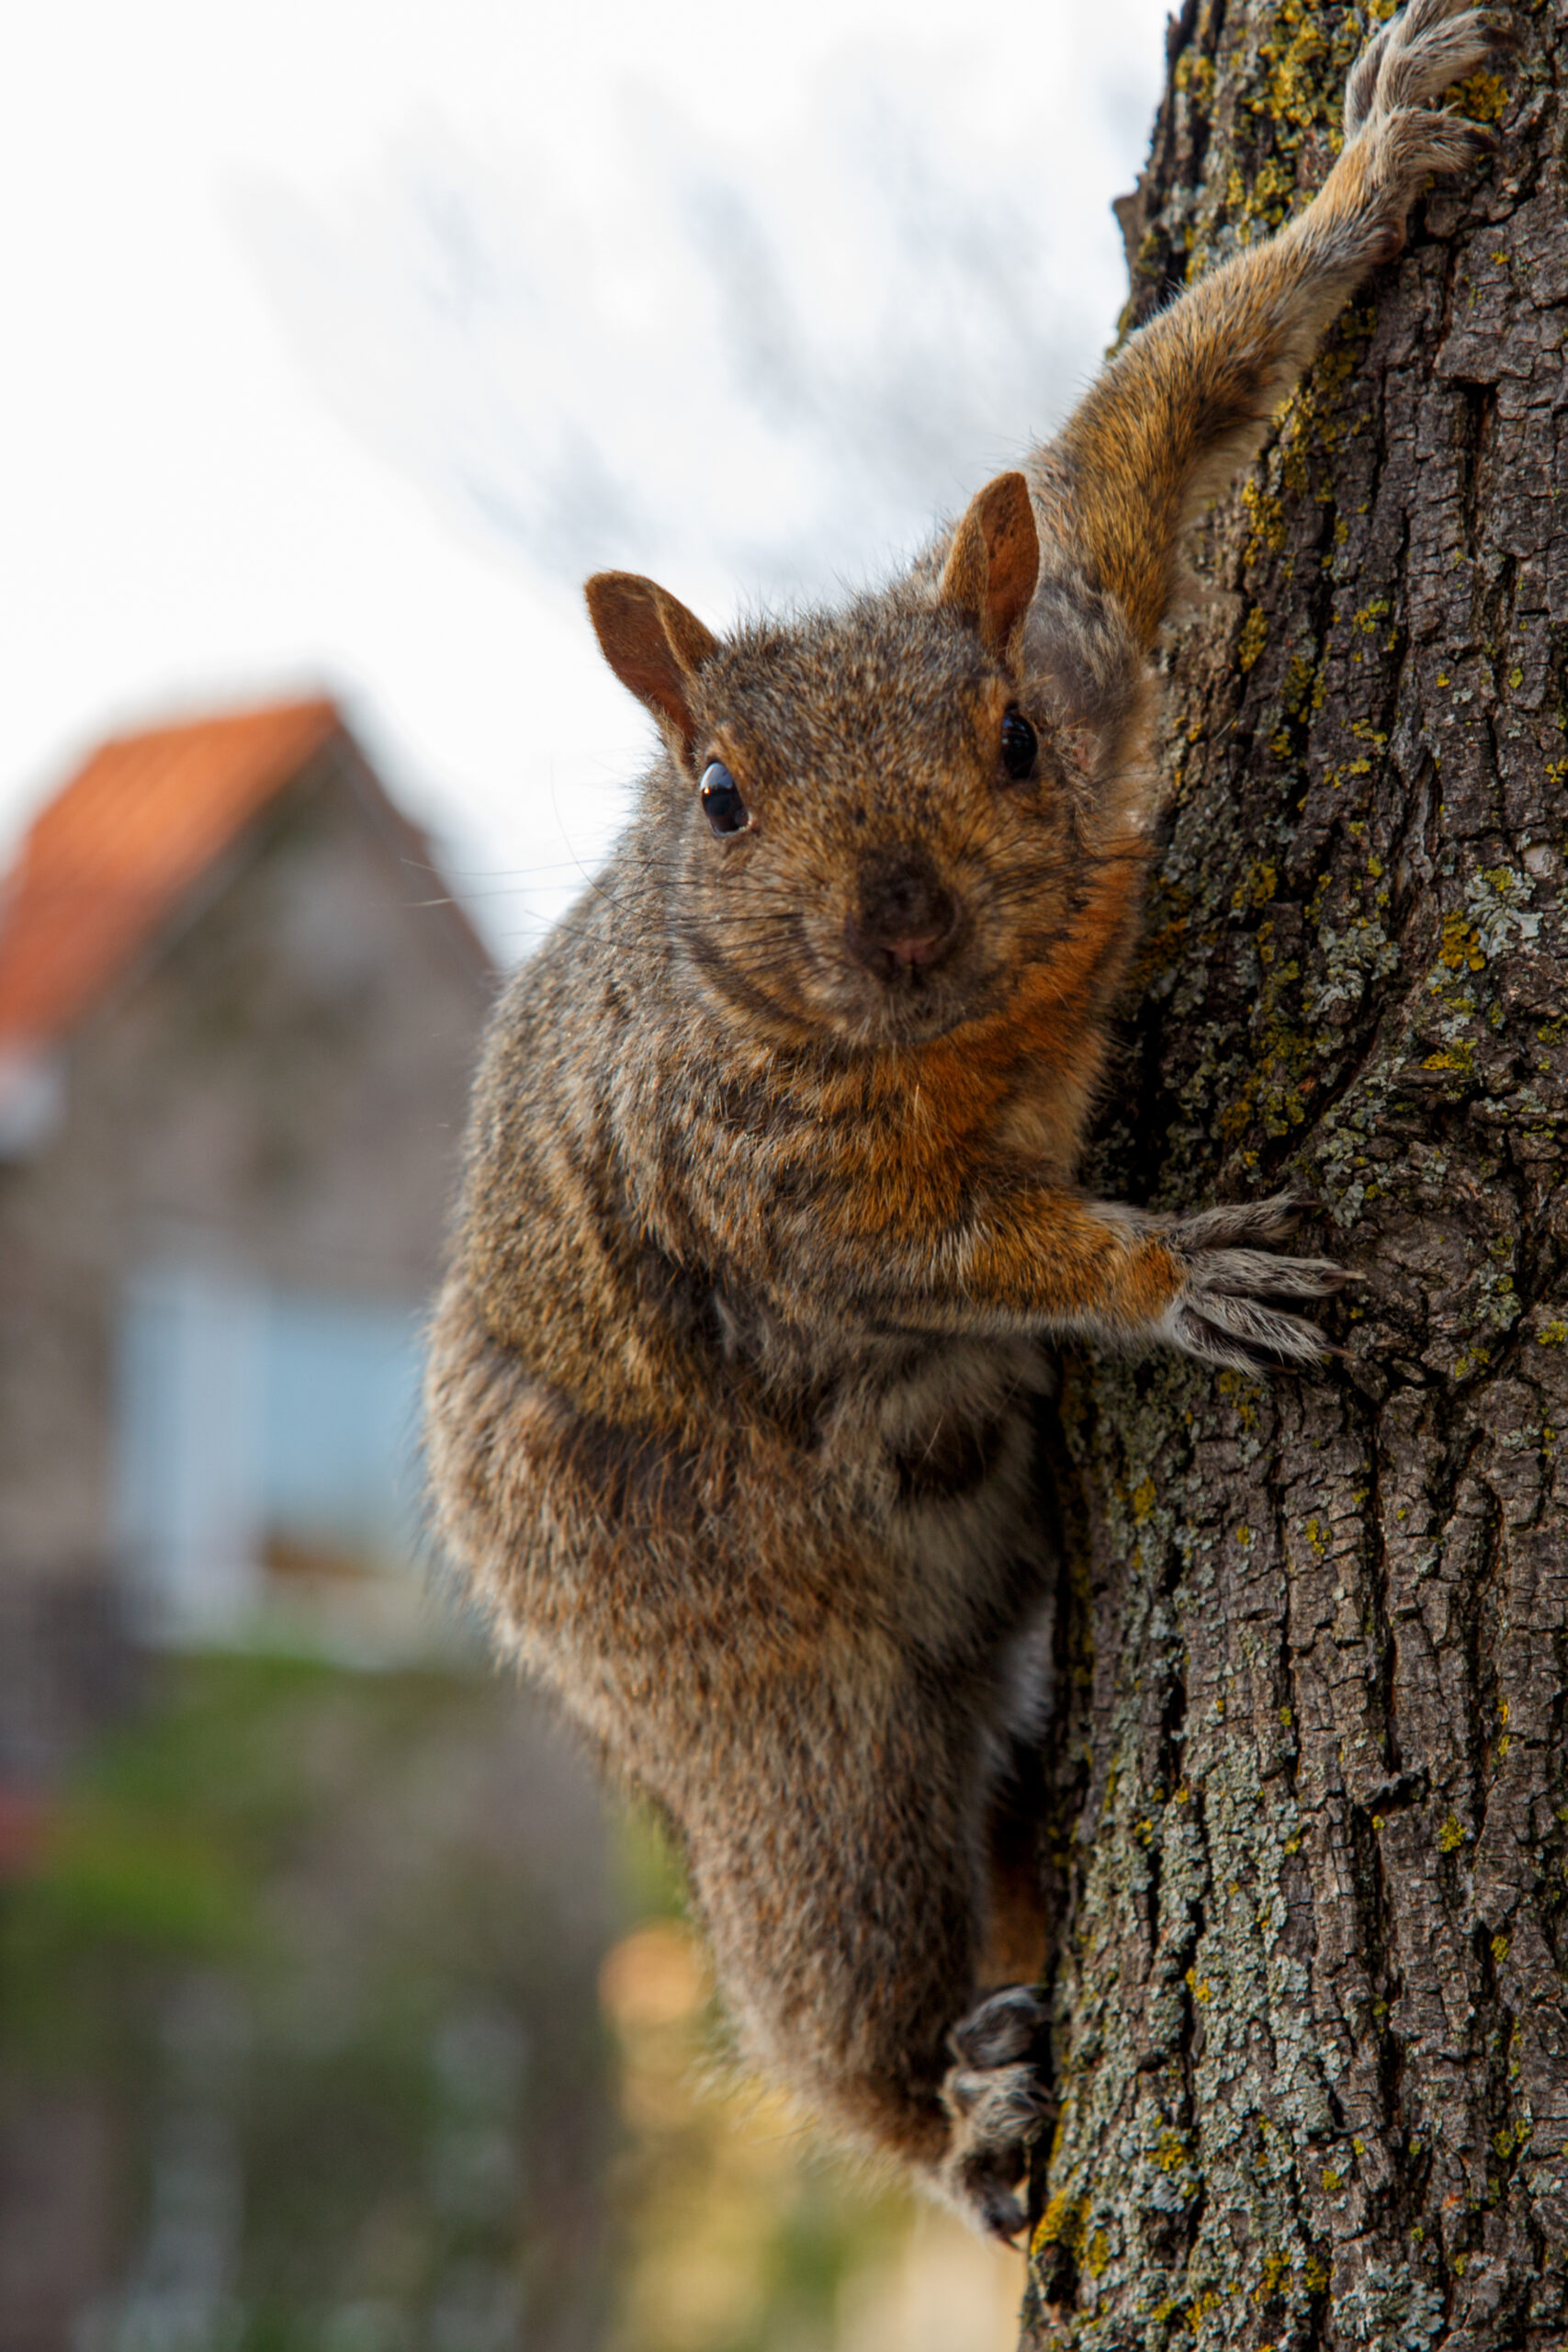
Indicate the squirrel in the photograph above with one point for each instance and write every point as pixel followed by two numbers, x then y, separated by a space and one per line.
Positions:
pixel 769 1207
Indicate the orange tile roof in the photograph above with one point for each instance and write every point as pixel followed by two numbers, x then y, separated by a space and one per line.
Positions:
pixel 111 856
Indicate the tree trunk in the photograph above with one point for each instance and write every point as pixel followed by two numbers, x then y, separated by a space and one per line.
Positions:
pixel 1312 1756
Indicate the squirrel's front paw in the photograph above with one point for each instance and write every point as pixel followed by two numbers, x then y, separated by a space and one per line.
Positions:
pixel 1218 1314
pixel 996 2103
pixel 1418 54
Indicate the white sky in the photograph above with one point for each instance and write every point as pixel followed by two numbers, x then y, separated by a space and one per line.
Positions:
pixel 348 338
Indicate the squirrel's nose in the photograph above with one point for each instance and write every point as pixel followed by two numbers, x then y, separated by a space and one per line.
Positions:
pixel 906 917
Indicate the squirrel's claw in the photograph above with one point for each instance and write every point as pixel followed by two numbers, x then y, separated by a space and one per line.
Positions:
pixel 1417 56
pixel 1219 1315
pixel 1241 1336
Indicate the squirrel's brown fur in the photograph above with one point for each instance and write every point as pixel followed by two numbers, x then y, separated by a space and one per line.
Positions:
pixel 770 1200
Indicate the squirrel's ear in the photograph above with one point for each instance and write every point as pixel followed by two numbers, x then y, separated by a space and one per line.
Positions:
pixel 652 643
pixel 993 561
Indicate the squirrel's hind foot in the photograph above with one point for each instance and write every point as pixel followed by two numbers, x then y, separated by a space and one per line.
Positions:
pixel 998 2102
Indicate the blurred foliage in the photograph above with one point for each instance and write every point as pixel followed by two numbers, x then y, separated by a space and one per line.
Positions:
pixel 650 1871
pixel 286 1926
pixel 740 2234
pixel 400 2047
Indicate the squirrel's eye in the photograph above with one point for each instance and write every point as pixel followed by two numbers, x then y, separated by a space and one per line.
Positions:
pixel 722 804
pixel 1020 745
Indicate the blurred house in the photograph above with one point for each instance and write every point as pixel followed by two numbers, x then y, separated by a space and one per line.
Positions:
pixel 238 1014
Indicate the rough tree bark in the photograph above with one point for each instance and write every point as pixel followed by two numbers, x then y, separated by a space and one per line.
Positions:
pixel 1311 1765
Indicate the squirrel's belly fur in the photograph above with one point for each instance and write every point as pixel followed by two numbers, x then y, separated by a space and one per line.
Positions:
pixel 906 1504
pixel 770 1207
pixel 814 1739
